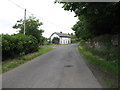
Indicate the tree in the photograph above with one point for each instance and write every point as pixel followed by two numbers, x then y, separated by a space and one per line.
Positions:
pixel 95 18
pixel 31 28
pixel 55 40
pixel 73 38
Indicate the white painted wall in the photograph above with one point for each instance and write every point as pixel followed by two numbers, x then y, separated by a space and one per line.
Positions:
pixel 69 40
pixel 63 40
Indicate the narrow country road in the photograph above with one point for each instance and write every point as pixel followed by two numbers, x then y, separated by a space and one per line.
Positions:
pixel 62 67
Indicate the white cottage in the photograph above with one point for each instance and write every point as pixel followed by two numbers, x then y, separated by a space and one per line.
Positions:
pixel 64 38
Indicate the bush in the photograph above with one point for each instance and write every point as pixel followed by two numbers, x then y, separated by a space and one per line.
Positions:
pixel 18 44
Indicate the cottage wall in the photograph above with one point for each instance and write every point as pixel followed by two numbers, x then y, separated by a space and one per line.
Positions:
pixel 63 40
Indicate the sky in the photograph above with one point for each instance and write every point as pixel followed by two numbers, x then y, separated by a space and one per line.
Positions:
pixel 53 16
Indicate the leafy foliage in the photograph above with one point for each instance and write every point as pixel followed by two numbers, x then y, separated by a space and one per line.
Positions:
pixel 95 18
pixel 31 28
pixel 73 37
pixel 19 44
pixel 100 21
pixel 55 40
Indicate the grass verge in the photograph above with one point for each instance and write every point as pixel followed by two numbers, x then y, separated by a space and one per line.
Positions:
pixel 101 63
pixel 110 82
pixel 12 63
pixel 108 67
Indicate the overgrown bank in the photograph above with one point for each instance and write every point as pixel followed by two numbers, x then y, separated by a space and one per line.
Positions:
pixel 110 67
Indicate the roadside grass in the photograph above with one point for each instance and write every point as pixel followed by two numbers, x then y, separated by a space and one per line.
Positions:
pixel 100 62
pixel 12 63
pixel 110 82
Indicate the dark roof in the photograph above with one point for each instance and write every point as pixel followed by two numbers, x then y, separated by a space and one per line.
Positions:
pixel 61 34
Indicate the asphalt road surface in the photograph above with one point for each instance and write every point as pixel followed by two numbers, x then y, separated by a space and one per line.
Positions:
pixel 62 67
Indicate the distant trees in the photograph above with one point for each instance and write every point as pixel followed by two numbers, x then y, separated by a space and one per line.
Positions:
pixel 31 28
pixel 73 37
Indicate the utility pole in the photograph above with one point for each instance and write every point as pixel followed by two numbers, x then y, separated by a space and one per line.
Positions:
pixel 24 20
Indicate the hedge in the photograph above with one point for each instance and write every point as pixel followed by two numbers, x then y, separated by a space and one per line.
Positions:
pixel 17 45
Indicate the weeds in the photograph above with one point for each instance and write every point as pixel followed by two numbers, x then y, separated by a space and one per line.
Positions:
pixel 103 64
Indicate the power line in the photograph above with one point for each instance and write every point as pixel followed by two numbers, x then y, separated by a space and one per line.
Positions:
pixel 16 4
pixel 35 15
pixel 45 20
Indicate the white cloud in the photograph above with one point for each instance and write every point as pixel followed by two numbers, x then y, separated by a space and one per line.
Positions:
pixel 54 18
